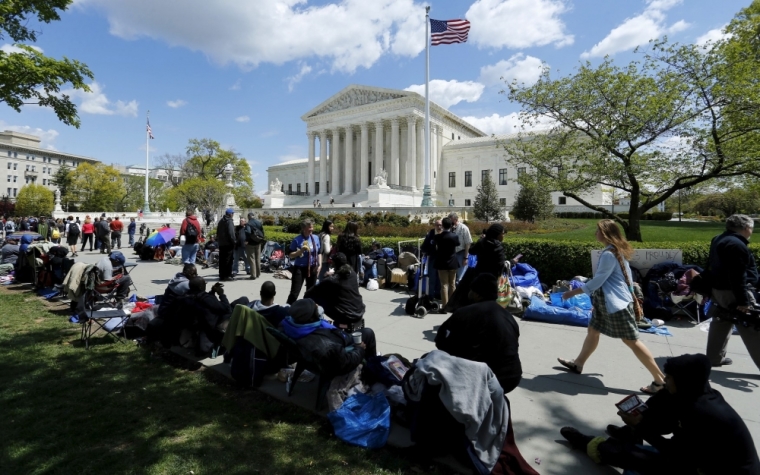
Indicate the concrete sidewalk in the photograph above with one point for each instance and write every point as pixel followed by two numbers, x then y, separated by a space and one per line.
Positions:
pixel 548 397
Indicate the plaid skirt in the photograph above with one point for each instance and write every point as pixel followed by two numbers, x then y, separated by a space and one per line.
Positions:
pixel 620 324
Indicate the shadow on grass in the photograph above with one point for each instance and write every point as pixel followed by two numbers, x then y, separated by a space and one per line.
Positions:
pixel 115 409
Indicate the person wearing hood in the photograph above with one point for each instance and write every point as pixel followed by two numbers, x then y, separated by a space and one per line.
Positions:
pixel 332 348
pixel 178 286
pixel 26 240
pixel 9 254
pixel 485 332
pixel 708 436
pixel 225 236
pixel 191 229
pixel 491 259
pixel 339 295
pixel 267 308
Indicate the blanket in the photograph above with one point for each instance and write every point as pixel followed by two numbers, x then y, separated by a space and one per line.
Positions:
pixel 251 325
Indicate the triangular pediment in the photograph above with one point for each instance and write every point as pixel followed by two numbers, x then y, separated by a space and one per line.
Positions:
pixel 355 96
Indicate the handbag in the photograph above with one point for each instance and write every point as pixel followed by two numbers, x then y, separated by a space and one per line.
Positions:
pixel 638 311
pixel 507 297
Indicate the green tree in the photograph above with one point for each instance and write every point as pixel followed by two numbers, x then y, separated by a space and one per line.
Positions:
pixel 486 206
pixel 26 75
pixel 198 193
pixel 34 200
pixel 534 201
pixel 683 115
pixel 96 187
pixel 206 159
pixel 132 195
pixel 63 180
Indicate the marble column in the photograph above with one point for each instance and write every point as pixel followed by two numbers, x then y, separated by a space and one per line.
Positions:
pixel 439 157
pixel 349 177
pixel 411 155
pixel 433 159
pixel 393 176
pixel 322 163
pixel 378 156
pixel 310 177
pixel 363 169
pixel 420 154
pixel 335 163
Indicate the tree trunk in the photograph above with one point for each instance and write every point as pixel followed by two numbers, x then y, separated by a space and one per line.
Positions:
pixel 633 231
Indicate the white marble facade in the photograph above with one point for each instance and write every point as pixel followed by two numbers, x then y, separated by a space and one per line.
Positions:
pixel 363 129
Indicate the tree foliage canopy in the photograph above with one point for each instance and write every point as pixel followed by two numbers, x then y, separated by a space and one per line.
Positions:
pixel 34 200
pixel 199 193
pixel 29 77
pixel 681 116
pixel 534 201
pixel 96 187
pixel 486 206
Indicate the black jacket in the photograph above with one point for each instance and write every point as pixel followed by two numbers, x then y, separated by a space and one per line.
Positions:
pixel 240 236
pixel 445 250
pixel 491 257
pixel 487 333
pixel 428 245
pixel 339 296
pixel 697 414
pixel 249 226
pixel 102 229
pixel 333 349
pixel 351 246
pixel 225 232
pixel 208 310
pixel 732 265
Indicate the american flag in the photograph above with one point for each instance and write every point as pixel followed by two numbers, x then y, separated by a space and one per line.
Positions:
pixel 150 132
pixel 448 31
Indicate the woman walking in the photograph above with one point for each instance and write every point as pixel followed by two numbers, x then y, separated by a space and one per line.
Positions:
pixel 325 246
pixel 611 292
pixel 88 230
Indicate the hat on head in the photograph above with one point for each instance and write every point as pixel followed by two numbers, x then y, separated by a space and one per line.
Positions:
pixel 117 256
pixel 230 211
pixel 486 286
pixel 304 311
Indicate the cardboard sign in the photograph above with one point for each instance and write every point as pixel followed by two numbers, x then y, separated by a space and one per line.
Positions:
pixel 644 259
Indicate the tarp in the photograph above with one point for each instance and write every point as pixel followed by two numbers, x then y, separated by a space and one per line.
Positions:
pixel 540 311
pixel 524 275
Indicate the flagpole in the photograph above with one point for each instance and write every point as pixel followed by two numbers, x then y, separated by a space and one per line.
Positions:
pixel 146 205
pixel 426 198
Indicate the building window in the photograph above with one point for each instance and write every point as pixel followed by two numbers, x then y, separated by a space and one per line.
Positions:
pixel 44 181
pixel 307 188
pixel 468 202
pixel 27 168
pixel 520 172
pixel 59 161
pixel 452 136
pixel 9 154
pixel 502 201
pixel 562 200
pixel 15 191
pixel 452 179
pixel 9 178
pixel 14 178
pixel 459 137
pixel 468 178
pixel 14 166
pixel 290 187
pixel 9 165
pixel 15 155
pixel 484 174
pixel 9 192
pixel 502 176
pixel 316 188
pixel 298 187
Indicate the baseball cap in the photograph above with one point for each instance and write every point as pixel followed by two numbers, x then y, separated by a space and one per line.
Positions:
pixel 230 211
pixel 117 256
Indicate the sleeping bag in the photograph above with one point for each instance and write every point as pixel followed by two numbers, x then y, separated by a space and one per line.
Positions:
pixel 540 311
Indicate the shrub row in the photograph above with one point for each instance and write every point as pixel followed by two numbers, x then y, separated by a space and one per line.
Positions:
pixel 284 239
pixel 654 216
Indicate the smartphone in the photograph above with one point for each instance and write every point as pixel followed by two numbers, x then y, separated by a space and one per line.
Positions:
pixel 632 405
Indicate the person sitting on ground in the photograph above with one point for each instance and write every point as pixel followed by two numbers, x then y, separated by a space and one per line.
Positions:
pixel 266 307
pixel 9 256
pixel 178 286
pixel 111 267
pixel 209 312
pixel 339 295
pixel 694 413
pixel 333 348
pixel 486 332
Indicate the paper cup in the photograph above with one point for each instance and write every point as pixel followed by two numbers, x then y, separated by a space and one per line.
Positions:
pixel 357 336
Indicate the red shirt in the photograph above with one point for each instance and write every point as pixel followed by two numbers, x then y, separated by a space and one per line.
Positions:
pixel 116 225
pixel 88 228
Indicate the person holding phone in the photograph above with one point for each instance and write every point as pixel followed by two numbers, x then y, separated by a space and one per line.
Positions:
pixel 611 292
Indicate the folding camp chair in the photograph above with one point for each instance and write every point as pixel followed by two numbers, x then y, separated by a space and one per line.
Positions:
pixel 687 305
pixel 128 268
pixel 304 361
pixel 93 316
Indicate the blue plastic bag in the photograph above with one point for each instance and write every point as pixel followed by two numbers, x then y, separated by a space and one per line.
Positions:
pixel 524 275
pixel 539 311
pixel 472 260
pixel 581 301
pixel 363 420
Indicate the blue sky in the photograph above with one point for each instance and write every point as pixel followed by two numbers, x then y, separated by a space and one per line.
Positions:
pixel 243 73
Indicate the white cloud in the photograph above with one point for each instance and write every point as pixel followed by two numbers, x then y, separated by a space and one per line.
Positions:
pixel 176 104
pixel 47 137
pixel 243 118
pixel 712 36
pixel 449 93
pixel 524 69
pixel 350 34
pixel 96 102
pixel 9 48
pixel 505 124
pixel 638 30
pixel 518 23
pixel 296 78
pixel 236 86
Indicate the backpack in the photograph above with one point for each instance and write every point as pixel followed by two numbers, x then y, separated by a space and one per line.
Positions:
pixel 248 364
pixel 191 233
pixel 73 229
pixel 55 234
pixel 9 226
pixel 255 234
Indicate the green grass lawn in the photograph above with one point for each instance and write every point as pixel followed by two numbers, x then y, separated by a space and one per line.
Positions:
pixel 652 231
pixel 116 409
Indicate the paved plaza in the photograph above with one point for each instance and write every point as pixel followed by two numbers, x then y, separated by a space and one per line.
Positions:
pixel 547 398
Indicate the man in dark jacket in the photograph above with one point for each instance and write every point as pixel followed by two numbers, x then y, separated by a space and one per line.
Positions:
pixel 103 231
pixel 428 249
pixel 446 262
pixel 733 276
pixel 178 286
pixel 484 332
pixel 339 295
pixel 254 228
pixel 239 254
pixel 209 312
pixel 694 413
pixel 333 348
pixel 225 236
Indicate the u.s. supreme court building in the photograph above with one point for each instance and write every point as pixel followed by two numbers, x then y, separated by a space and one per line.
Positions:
pixel 366 146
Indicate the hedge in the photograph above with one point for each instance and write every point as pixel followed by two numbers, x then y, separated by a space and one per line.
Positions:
pixel 654 216
pixel 284 239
